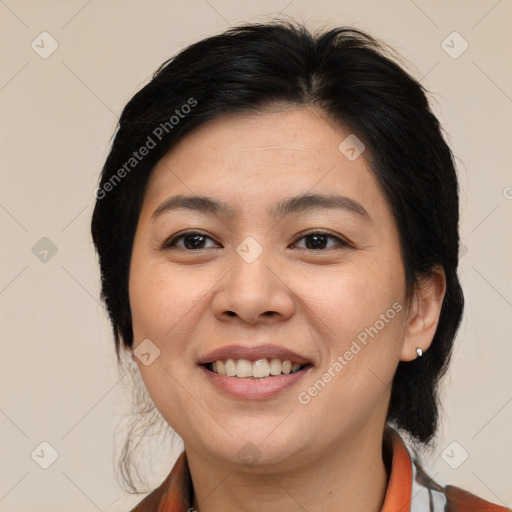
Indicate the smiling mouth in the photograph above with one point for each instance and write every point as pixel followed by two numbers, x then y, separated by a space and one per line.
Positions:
pixel 258 369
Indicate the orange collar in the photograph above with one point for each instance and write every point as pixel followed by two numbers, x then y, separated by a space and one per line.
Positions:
pixel 399 490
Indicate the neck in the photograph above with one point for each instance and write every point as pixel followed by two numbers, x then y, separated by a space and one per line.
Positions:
pixel 350 476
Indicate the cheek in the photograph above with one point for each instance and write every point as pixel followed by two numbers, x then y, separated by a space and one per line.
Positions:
pixel 162 302
pixel 353 298
pixel 361 314
pixel 360 311
pixel 160 299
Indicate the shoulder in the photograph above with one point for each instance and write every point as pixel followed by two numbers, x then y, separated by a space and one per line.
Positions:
pixel 150 503
pixel 448 498
pixel 427 494
pixel 459 500
pixel 174 493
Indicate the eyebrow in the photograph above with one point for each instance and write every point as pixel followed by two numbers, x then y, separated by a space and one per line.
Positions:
pixel 297 204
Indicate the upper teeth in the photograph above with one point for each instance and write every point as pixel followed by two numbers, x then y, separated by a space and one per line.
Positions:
pixel 260 368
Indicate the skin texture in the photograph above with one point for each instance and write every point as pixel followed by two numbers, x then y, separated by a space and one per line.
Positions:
pixel 326 454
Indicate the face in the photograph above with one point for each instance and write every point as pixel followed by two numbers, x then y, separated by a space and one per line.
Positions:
pixel 253 280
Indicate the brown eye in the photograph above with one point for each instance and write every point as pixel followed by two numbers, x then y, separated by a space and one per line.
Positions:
pixel 318 240
pixel 192 241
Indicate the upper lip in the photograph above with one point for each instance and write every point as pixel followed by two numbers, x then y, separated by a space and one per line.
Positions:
pixel 253 354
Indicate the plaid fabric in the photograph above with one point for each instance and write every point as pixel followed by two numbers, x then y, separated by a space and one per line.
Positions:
pixel 410 489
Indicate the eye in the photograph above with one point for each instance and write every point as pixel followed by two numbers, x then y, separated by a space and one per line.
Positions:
pixel 192 240
pixel 318 240
pixel 196 240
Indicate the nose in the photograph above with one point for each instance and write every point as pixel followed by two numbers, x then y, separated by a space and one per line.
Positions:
pixel 254 292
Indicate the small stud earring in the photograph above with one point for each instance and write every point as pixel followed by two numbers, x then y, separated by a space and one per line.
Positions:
pixel 419 352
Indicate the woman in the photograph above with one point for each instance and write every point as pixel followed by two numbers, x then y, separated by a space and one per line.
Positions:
pixel 277 229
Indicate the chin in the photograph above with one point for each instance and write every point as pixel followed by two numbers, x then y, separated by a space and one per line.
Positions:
pixel 255 447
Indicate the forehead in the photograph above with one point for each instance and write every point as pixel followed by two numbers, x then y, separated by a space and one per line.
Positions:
pixel 256 159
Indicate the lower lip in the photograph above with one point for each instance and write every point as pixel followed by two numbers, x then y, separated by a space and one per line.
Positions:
pixel 253 389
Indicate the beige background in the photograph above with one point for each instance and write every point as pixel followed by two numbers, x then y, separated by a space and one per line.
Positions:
pixel 58 375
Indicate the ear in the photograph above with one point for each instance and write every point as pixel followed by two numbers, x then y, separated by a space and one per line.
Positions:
pixel 424 314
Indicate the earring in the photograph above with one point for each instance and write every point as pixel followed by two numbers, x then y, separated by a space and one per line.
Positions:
pixel 419 352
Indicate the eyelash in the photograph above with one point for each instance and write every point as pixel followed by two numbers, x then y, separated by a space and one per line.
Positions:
pixel 171 243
